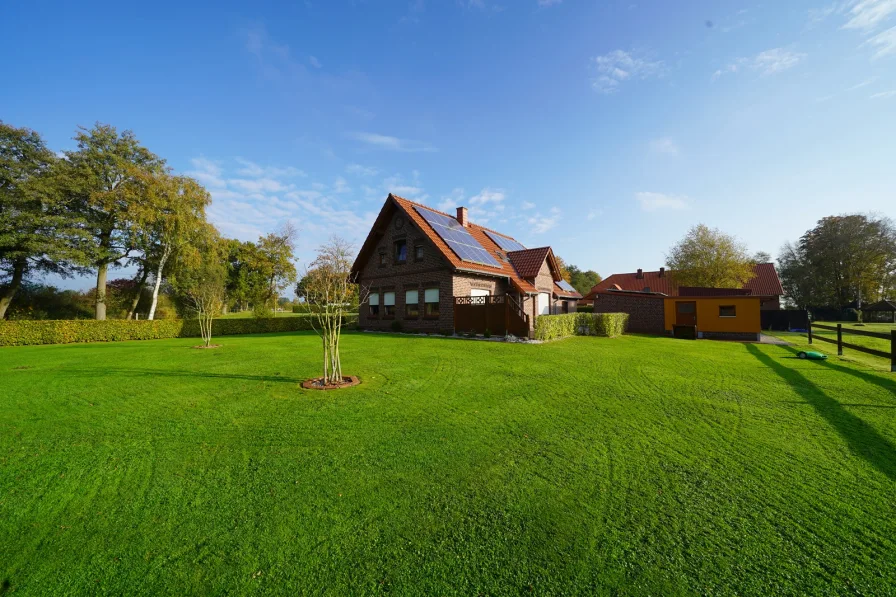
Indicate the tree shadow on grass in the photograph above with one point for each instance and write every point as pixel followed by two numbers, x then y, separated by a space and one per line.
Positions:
pixel 876 379
pixel 177 373
pixel 861 438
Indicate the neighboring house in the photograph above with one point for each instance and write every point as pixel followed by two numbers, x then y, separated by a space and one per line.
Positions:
pixel 435 272
pixel 882 311
pixel 765 284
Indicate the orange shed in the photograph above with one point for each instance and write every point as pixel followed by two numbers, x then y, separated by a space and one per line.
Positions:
pixel 727 317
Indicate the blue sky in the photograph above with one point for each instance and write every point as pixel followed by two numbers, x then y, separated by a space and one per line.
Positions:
pixel 604 129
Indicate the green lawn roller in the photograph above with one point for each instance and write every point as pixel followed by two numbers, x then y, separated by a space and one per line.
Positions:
pixel 812 355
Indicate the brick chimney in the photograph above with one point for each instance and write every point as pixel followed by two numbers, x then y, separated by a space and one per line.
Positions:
pixel 662 272
pixel 640 275
pixel 462 216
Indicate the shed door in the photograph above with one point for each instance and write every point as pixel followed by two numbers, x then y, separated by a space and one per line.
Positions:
pixel 544 303
pixel 686 313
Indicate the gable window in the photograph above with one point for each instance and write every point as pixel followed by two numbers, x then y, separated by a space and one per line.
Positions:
pixel 727 311
pixel 374 302
pixel 401 251
pixel 382 258
pixel 388 304
pixel 418 252
pixel 431 302
pixel 412 303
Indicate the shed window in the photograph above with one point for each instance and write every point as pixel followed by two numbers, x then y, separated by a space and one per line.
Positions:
pixel 382 258
pixel 431 302
pixel 727 311
pixel 388 304
pixel 374 302
pixel 412 303
pixel 418 252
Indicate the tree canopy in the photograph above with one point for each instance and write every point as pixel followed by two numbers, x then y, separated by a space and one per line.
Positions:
pixel 708 257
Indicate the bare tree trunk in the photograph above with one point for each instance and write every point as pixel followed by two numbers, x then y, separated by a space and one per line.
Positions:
pixel 18 274
pixel 101 273
pixel 144 274
pixel 158 282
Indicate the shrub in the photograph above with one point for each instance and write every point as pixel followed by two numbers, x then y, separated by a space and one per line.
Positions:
pixel 21 333
pixel 584 309
pixel 397 327
pixel 552 327
pixel 487 334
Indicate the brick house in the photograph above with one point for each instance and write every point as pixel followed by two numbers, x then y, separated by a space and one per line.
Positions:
pixel 764 283
pixel 422 267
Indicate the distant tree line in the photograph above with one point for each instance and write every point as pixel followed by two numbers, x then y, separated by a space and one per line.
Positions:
pixel 112 203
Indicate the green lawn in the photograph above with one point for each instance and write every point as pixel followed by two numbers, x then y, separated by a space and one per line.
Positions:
pixel 875 343
pixel 631 466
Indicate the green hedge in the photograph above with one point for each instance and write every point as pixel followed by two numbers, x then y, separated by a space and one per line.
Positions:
pixel 24 332
pixel 551 327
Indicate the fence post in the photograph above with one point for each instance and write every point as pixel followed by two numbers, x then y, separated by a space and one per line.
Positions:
pixel 893 351
pixel 839 339
pixel 810 331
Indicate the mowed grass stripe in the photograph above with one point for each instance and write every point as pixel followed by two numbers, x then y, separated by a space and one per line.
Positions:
pixel 635 465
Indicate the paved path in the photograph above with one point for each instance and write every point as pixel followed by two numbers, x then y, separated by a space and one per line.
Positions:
pixel 766 339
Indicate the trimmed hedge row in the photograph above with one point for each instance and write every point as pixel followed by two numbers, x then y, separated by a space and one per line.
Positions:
pixel 25 332
pixel 552 327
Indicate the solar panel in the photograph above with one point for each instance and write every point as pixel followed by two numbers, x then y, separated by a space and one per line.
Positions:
pixel 458 238
pixel 508 244
pixel 566 286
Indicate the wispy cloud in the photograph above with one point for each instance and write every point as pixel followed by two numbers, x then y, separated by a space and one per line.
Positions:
pixel 664 145
pixel 359 170
pixel 659 201
pixel 249 168
pixel 313 61
pixel 869 14
pixel 884 43
pixel 769 62
pixel 390 143
pixel 528 205
pixel 619 66
pixel 864 83
pixel 546 3
pixel 594 213
pixel 539 223
pixel 884 94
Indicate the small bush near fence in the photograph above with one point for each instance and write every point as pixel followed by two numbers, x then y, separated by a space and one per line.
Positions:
pixel 25 332
pixel 551 327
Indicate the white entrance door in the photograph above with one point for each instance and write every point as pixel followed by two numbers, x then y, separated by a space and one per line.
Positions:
pixel 544 303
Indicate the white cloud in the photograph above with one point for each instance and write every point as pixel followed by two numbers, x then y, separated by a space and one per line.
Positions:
pixel 769 62
pixel 313 61
pixel 359 170
pixel 884 43
pixel 864 83
pixel 659 201
pixel 869 14
pixel 546 3
pixel 540 224
pixel 390 143
pixel 207 172
pixel 528 205
pixel 664 145
pixel 594 213
pixel 619 66
pixel 251 169
pixel 258 185
pixel 884 95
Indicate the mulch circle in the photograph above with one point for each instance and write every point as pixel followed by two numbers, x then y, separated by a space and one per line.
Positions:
pixel 204 346
pixel 315 384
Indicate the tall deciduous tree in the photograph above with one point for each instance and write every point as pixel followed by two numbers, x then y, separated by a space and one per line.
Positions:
pixel 841 260
pixel 583 281
pixel 37 230
pixel 271 267
pixel 177 220
pixel 106 179
pixel 328 287
pixel 708 257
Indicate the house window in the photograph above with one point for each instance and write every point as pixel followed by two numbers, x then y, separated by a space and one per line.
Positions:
pixel 412 303
pixel 388 304
pixel 431 302
pixel 401 251
pixel 382 258
pixel 727 311
pixel 374 302
pixel 418 252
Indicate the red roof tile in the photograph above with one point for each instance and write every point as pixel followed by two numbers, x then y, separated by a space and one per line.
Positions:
pixel 765 282
pixel 528 263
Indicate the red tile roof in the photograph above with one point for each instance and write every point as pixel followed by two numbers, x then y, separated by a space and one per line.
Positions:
pixel 765 282
pixel 528 263
pixel 506 268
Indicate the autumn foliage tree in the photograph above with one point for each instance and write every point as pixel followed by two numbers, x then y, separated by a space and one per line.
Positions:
pixel 708 257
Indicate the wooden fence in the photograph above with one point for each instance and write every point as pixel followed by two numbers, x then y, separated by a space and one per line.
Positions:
pixel 498 314
pixel 841 344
